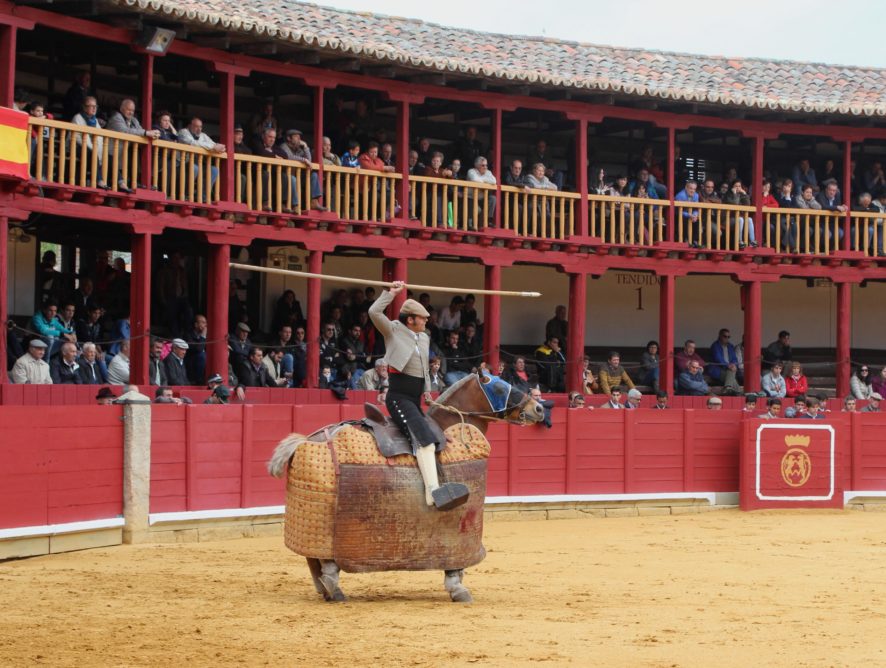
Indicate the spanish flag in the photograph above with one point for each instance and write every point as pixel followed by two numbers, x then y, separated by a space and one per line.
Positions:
pixel 14 144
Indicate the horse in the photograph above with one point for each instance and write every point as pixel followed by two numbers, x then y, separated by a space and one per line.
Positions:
pixel 355 499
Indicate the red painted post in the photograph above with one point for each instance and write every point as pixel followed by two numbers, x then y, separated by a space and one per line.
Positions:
pixel 395 269
pixel 147 93
pixel 672 181
pixel 4 299
pixel 581 176
pixel 847 198
pixel 753 319
pixel 575 350
pixel 844 337
pixel 497 167
pixel 319 105
pixel 666 307
pixel 492 316
pixel 315 266
pixel 757 185
pixel 7 65
pixel 217 311
pixel 140 309
pixel 226 134
pixel 403 156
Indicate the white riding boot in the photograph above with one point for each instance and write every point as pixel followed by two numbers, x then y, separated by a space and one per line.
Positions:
pixel 427 465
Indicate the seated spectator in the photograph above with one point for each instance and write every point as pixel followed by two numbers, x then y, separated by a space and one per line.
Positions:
pixel 798 409
pixel 90 327
pixel 239 344
pixel 714 403
pixel 708 193
pixel 252 371
pixel 691 217
pixel 125 121
pixel 370 162
pixel 193 135
pixel 272 363
pixel 262 120
pixel 174 364
pixel 438 171
pixel 329 156
pixel 166 129
pixel 804 175
pixel 644 179
pixel 118 369
pixel 156 368
pixel 779 349
pixel 46 323
pixel 691 381
pixel 860 383
pixel 849 404
pixel 830 200
pixel 480 173
pixel 806 199
pixel 376 378
pixel 750 403
pixel 812 410
pixel 469 313
pixel 517 376
pixel 589 383
pixel 869 225
pixel 599 184
pixel 539 155
pixel 296 149
pixel 472 346
pixel 165 395
pixel 30 368
pixel 786 222
pixel 195 360
pixel 773 383
pixel 240 145
pixel 287 312
pixel 105 396
pixel 351 157
pixel 457 364
pixel 425 152
pixel 576 400
pixel 515 176
pixel 66 316
pixel 92 370
pixel 650 362
pixel 63 369
pixel 220 394
pixel 874 178
pixel 873 403
pixel 661 400
pixel 796 384
pixel 449 319
pixel 634 398
pixel 535 393
pixel 386 154
pixel 551 365
pixel 685 356
pixel 414 166
pixel 773 411
pixel 330 355
pixel 558 326
pixel 738 196
pixel 878 384
pixel 438 383
pixel 613 374
pixel 614 402
pixel 94 144
pixel 724 364
pixel 538 180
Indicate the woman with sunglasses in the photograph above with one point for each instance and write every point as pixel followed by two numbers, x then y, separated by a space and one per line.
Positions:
pixel 860 383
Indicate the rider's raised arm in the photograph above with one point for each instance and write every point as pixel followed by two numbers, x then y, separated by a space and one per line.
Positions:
pixel 377 313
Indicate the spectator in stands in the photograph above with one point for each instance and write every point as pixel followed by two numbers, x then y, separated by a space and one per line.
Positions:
pixel 688 354
pixel 796 384
pixel 219 395
pixel 589 384
pixel 517 375
pixel 376 379
pixel 83 296
pixel 643 178
pixel 650 363
pixel 773 383
pixel 125 121
pixel 166 129
pixel 614 402
pixel 472 346
pixel 386 155
pixel 156 368
pixel 551 365
pixel 786 222
pixel 105 396
pixel 51 282
pixel 354 354
pixel 252 372
pixel 63 369
pixel 830 198
pixel 691 381
pixel 468 148
pixel 173 293
pixel 480 173
pixel 239 344
pixel 806 199
pixel 240 146
pixel 287 311
pixel 30 368
pixel 878 384
pixel 329 350
pixel 738 196
pixel 329 156
pixel 849 405
pixel 118 369
pixel 576 400
pixel 613 374
pixel 773 409
pixel 165 395
pixel 634 398
pixel 709 193
pixel 351 157
pixel 860 383
pixel 193 135
pixel 450 318
pixel 804 175
pixel 438 382
pixel 66 316
pixel 425 152
pixel 457 364
pixel 538 179
pixel 558 326
pixel 661 400
pixel 599 184
pixel 714 403
pixel 296 149
pixel 414 166
pixel 875 178
pixel 866 205
pixel 92 370
pixel 272 362
pixel 369 161
pixel 689 216
pixel 798 409
pixel 724 364
pixel 539 155
pixel 77 94
pixel 174 364
pixel 780 349
pixel 195 360
pixel 535 393
pixel 47 325
pixel 812 410
pixel 515 176
pixel 262 120
pixel 750 403
pixel 873 403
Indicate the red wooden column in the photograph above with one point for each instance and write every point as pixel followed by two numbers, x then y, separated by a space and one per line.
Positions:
pixel 8 35
pixel 844 338
pixel 140 308
pixel 672 184
pixel 666 306
pixel 395 269
pixel 4 300
pixel 402 152
pixel 147 112
pixel 847 199
pixel 319 105
pixel 219 289
pixel 757 186
pixel 312 333
pixel 497 167
pixel 492 316
pixel 753 322
pixel 575 350
pixel 227 117
pixel 581 177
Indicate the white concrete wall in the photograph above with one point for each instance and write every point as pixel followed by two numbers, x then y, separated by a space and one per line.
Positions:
pixel 21 274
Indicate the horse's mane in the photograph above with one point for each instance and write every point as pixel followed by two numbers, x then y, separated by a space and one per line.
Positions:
pixel 455 387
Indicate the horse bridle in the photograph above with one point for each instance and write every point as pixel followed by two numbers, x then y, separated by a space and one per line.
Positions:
pixel 491 416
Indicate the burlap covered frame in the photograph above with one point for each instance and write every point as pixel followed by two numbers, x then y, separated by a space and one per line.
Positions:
pixel 347 502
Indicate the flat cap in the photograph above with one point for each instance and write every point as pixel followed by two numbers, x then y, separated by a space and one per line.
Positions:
pixel 244 327
pixel 106 393
pixel 293 131
pixel 412 307
pixel 876 396
pixel 222 392
pixel 216 378
pixel 37 343
pixel 180 343
pixel 238 127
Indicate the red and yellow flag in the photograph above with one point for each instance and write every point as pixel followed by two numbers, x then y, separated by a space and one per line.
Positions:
pixel 14 144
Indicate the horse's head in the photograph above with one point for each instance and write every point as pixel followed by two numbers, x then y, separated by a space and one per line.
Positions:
pixel 509 403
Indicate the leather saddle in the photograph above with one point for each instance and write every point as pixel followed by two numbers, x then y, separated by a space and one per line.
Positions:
pixel 391 441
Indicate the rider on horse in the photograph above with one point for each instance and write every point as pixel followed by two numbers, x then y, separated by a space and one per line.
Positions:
pixel 407 347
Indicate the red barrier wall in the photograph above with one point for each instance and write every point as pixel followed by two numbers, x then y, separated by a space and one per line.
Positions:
pixel 60 466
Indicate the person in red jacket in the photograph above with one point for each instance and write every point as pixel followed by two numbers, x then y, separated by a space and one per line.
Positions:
pixel 796 384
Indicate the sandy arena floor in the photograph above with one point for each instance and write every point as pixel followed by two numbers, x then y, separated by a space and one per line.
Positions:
pixel 716 589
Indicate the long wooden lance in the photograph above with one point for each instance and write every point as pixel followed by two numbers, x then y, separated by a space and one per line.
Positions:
pixel 381 284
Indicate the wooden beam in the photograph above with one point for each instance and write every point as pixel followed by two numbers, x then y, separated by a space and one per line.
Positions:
pixel 213 40
pixel 304 58
pixel 343 64
pixel 256 48
pixel 428 79
pixel 381 71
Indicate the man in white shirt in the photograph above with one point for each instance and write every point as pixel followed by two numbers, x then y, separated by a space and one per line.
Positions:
pixel 118 369
pixel 480 174
pixel 193 135
pixel 30 368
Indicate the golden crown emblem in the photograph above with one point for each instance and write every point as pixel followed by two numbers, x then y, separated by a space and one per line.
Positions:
pixel 797 440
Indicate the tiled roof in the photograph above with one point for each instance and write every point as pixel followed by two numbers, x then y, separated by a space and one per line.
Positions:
pixel 749 82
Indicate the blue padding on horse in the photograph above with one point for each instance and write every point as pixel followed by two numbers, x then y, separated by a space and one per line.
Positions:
pixel 497 392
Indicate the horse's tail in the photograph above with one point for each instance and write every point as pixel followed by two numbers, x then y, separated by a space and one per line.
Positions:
pixel 279 461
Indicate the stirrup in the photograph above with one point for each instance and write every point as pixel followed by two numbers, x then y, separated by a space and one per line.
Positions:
pixel 450 495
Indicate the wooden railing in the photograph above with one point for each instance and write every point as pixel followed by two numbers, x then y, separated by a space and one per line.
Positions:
pixel 803 231
pixel 866 233
pixel 272 184
pixel 186 173
pixel 451 203
pixel 627 220
pixel 724 227
pixel 83 157
pixel 546 214
pixel 360 194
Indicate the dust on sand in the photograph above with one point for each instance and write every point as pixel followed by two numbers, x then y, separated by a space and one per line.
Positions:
pixel 715 589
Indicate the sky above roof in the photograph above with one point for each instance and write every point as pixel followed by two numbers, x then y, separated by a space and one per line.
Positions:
pixel 850 32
